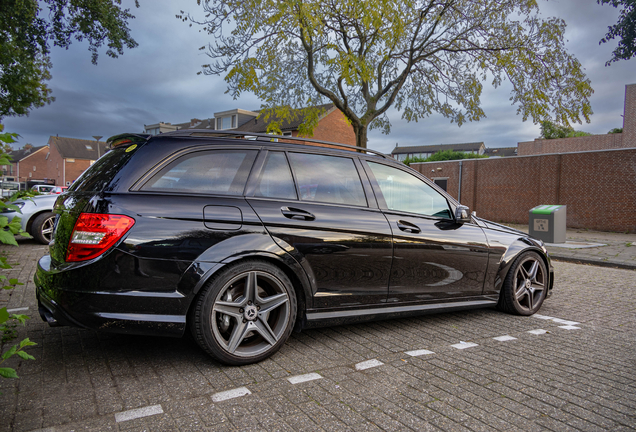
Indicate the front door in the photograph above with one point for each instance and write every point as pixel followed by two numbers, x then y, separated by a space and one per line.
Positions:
pixel 434 257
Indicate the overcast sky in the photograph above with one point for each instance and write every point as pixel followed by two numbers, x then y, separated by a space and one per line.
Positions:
pixel 157 81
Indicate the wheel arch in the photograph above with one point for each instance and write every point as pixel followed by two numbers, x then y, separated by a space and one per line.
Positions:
pixel 295 273
pixel 515 249
pixel 29 223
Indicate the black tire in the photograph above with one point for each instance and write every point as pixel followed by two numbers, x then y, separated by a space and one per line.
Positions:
pixel 525 286
pixel 245 313
pixel 42 227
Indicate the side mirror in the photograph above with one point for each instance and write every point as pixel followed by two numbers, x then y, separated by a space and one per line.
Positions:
pixel 462 214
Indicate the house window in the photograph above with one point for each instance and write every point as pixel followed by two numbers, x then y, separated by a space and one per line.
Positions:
pixel 47 156
pixel 229 122
pixel 33 167
pixel 70 160
pixel 442 182
pixel 30 174
pixel 88 147
pixel 287 134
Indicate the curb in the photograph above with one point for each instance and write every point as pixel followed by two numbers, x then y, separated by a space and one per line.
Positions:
pixel 593 262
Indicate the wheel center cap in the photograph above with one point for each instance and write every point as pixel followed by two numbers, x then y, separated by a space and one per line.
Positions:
pixel 528 284
pixel 250 312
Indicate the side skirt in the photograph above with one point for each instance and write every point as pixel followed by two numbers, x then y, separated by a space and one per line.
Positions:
pixel 322 319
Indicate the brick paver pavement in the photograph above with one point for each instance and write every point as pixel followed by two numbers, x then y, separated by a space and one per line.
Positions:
pixel 573 375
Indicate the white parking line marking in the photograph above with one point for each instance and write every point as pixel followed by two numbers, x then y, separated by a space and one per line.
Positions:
pixel 17 309
pixel 569 323
pixel 417 353
pixel 368 364
pixel 504 338
pixel 570 327
pixel 543 317
pixel 464 345
pixel 538 331
pixel 304 378
pixel 230 394
pixel 138 413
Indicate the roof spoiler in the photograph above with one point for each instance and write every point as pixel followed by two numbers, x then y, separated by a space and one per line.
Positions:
pixel 126 140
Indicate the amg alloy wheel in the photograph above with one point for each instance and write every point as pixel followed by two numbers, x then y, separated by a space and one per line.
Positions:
pixel 245 314
pixel 525 286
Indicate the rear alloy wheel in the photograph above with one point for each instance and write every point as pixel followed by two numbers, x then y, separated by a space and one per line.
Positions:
pixel 525 286
pixel 245 314
pixel 42 227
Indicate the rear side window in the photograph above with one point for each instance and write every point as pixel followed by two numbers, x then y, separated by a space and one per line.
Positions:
pixel 99 175
pixel 276 179
pixel 221 172
pixel 328 179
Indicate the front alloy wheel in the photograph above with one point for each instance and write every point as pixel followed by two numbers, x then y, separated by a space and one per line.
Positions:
pixel 245 314
pixel 525 286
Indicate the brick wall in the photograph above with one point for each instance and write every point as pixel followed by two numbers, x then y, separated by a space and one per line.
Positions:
pixel 599 187
pixel 334 127
pixel 576 144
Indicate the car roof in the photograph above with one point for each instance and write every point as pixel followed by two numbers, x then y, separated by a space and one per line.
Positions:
pixel 260 139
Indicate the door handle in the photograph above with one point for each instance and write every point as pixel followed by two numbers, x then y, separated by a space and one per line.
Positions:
pixel 294 213
pixel 408 227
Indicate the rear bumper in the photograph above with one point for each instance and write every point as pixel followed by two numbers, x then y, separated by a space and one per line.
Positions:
pixel 66 299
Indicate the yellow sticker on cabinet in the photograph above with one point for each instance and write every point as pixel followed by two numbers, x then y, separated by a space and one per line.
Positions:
pixel 131 148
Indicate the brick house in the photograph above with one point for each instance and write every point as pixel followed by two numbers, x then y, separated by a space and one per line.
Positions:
pixel 70 157
pixel 28 164
pixel 332 124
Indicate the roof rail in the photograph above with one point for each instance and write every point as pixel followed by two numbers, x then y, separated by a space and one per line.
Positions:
pixel 265 137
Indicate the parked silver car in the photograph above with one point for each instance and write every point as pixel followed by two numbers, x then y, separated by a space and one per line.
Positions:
pixel 36 215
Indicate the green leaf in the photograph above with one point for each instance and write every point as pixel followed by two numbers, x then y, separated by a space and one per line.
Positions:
pixel 8 373
pixel 7 238
pixel 4 315
pixel 27 342
pixel 9 353
pixel 25 356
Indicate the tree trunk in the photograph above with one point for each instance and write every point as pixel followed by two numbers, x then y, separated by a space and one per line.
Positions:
pixel 361 135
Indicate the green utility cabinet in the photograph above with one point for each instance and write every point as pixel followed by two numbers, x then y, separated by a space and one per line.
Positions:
pixel 547 223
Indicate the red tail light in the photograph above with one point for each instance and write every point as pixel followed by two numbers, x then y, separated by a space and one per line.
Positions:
pixel 93 234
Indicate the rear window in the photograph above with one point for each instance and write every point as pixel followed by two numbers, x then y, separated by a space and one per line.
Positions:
pixel 99 175
pixel 209 172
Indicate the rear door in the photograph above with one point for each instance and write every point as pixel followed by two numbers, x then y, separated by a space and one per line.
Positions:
pixel 434 257
pixel 326 216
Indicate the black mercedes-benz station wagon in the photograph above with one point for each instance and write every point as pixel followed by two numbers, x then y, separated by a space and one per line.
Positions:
pixel 241 241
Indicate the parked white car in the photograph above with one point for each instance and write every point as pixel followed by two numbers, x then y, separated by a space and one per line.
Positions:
pixel 36 216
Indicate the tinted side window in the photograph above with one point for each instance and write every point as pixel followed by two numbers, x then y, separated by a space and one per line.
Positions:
pixel 328 179
pixel 99 175
pixel 276 179
pixel 216 172
pixel 405 192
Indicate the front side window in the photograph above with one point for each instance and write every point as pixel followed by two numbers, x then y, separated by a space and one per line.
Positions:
pixel 328 179
pixel 210 172
pixel 405 192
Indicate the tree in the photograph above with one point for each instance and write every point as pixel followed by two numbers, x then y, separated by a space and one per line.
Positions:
pixel 420 57
pixel 29 27
pixel 624 30
pixel 551 130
